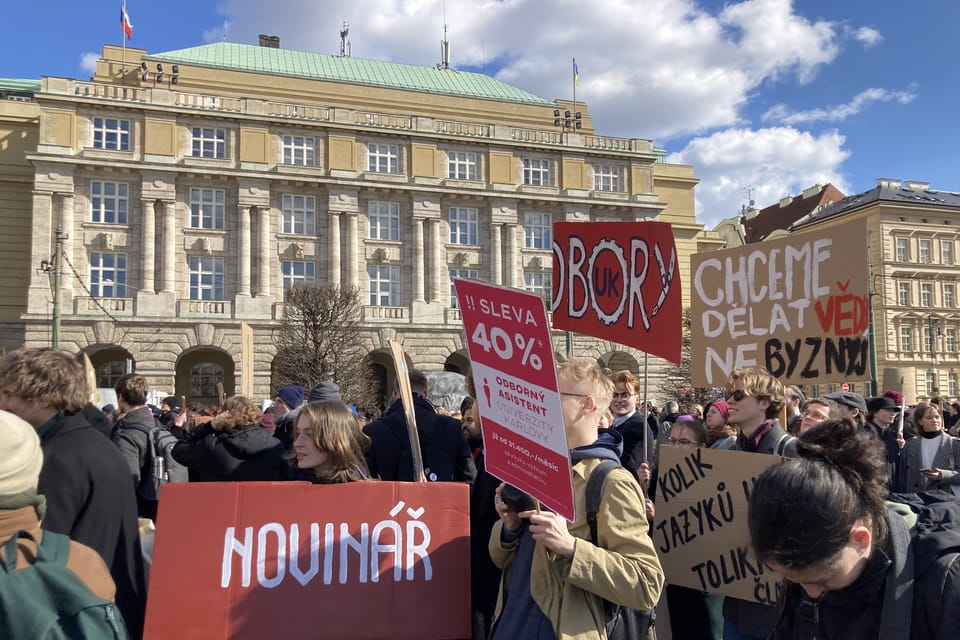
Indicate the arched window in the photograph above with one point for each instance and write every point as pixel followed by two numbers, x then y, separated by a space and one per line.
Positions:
pixel 204 378
pixel 109 373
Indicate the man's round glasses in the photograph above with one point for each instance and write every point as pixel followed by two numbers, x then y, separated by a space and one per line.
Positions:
pixel 681 442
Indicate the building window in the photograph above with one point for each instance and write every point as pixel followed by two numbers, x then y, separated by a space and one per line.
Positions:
pixel 460 273
pixel 384 285
pixel 606 177
pixel 946 251
pixel 926 294
pixel 299 150
pixel 952 383
pixel 297 273
pixel 383 158
pixel 109 373
pixel 950 341
pixel 204 378
pixel 928 335
pixel 206 278
pixel 949 295
pixel 463 225
pixel 931 383
pixel 537 230
pixel 906 339
pixel 108 275
pixel 462 165
pixel 111 133
pixel 207 208
pixel 108 202
pixel 903 250
pixel 924 251
pixel 299 214
pixel 383 220
pixel 209 143
pixel 536 172
pixel 539 283
pixel 903 294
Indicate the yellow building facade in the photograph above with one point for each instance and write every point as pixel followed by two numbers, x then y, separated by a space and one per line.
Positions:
pixel 192 187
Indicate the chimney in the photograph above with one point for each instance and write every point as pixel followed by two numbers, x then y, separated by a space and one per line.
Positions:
pixel 809 192
pixel 888 183
pixel 785 202
pixel 271 42
pixel 915 185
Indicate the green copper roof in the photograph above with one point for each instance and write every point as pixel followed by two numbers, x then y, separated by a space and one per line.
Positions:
pixel 320 66
pixel 24 86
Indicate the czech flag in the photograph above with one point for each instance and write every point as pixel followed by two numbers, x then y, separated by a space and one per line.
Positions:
pixel 125 21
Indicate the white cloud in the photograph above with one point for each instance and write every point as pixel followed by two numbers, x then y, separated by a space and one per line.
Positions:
pixel 772 163
pixel 88 62
pixel 868 36
pixel 837 113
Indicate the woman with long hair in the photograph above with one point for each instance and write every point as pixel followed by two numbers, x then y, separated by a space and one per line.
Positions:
pixel 931 460
pixel 821 520
pixel 329 444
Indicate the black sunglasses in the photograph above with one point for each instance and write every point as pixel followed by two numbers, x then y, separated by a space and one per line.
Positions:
pixel 738 394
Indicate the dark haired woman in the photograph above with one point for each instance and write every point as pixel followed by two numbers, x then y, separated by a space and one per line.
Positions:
pixel 822 521
pixel 932 460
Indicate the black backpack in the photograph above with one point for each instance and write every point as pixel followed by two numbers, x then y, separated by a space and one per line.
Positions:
pixel 159 465
pixel 623 623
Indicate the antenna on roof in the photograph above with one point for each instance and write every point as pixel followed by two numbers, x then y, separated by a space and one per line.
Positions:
pixel 345 45
pixel 444 44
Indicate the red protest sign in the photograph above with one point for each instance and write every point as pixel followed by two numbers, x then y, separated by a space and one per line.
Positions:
pixel 618 281
pixel 511 356
pixel 267 560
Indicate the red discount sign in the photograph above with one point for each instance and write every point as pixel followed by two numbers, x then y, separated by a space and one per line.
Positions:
pixel 511 352
pixel 619 281
pixel 252 560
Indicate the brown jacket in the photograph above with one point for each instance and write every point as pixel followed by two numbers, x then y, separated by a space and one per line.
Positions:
pixel 83 561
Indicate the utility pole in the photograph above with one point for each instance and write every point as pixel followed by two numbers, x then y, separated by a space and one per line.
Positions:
pixel 56 287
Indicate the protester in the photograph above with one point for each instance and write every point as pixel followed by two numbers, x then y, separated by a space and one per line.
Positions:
pixel 754 398
pixel 446 455
pixel 131 434
pixel 638 435
pixel 795 397
pixel 881 415
pixel 852 405
pixel 169 410
pixel 84 478
pixel 719 434
pixel 329 445
pixel 233 447
pixel 555 580
pixel 931 461
pixel 816 410
pixel 852 568
pixel 22 508
pixel 285 404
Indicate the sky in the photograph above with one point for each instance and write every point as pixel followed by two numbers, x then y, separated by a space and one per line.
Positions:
pixel 763 97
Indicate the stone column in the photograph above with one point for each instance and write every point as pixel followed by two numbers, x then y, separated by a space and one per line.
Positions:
pixel 66 221
pixel 514 279
pixel 148 238
pixel 353 277
pixel 243 286
pixel 334 248
pixel 263 277
pixel 44 221
pixel 438 253
pixel 418 263
pixel 496 254
pixel 169 247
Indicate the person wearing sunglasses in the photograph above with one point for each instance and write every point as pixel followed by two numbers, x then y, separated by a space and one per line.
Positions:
pixel 754 400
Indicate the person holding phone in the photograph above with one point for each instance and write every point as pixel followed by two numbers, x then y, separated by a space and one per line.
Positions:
pixel 932 460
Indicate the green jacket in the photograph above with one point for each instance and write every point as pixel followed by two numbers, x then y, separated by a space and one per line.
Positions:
pixel 625 571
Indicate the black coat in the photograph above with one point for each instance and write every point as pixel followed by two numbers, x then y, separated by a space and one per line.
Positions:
pixel 446 454
pixel 248 452
pixel 484 575
pixel 133 443
pixel 90 499
pixel 632 430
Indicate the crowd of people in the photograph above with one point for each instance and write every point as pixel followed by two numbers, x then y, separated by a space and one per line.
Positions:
pixel 822 519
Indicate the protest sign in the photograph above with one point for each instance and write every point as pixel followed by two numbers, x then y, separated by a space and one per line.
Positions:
pixel 253 560
pixel 798 307
pixel 701 531
pixel 406 400
pixel 511 356
pixel 246 360
pixel 618 281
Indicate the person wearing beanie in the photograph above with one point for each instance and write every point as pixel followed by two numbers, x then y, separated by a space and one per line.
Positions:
pixel 286 410
pixel 324 391
pixel 719 434
pixel 169 410
pixel 84 478
pixel 22 507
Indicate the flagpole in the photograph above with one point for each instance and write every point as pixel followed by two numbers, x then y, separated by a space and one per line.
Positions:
pixel 123 39
pixel 575 89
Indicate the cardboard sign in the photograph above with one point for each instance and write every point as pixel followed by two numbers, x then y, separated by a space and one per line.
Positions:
pixel 701 531
pixel 246 360
pixel 798 307
pixel 618 281
pixel 257 560
pixel 406 400
pixel 511 355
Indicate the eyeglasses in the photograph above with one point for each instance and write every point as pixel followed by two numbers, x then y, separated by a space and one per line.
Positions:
pixel 789 397
pixel 738 395
pixel 622 396
pixel 681 442
pixel 815 415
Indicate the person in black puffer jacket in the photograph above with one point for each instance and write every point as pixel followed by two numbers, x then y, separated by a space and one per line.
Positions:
pixel 233 446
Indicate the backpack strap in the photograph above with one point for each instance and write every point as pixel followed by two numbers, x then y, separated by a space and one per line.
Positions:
pixel 594 492
pixel 898 593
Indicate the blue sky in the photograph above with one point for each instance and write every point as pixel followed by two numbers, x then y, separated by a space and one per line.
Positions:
pixel 770 95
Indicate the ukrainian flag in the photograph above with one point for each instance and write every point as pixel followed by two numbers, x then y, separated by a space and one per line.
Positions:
pixel 576 73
